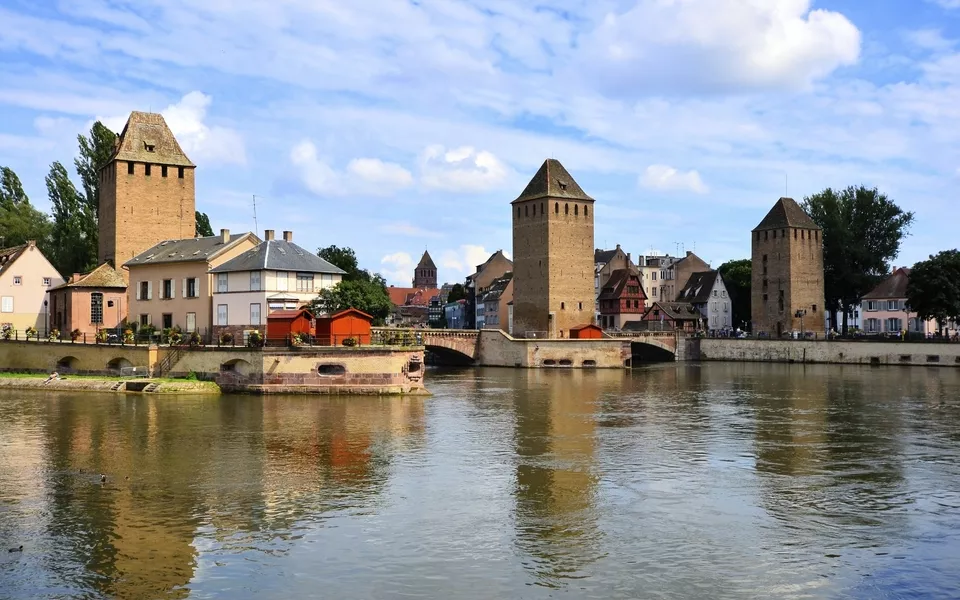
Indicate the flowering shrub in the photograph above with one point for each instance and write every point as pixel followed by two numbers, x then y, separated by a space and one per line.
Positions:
pixel 32 332
pixel 6 332
pixel 53 334
pixel 75 335
pixel 350 342
pixel 255 340
pixel 226 338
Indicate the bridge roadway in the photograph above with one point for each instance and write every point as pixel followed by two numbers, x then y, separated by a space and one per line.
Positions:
pixel 492 347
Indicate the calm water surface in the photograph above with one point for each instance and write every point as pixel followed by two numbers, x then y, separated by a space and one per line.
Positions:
pixel 713 481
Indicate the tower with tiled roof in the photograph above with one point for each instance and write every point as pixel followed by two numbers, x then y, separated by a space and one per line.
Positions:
pixel 425 275
pixel 146 191
pixel 787 257
pixel 553 289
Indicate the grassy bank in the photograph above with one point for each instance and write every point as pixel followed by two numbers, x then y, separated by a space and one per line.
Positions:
pixel 101 383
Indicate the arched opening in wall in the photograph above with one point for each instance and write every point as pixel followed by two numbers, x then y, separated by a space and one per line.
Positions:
pixel 566 362
pixel 236 365
pixel 589 363
pixel 566 209
pixel 414 367
pixel 67 364
pixel 576 210
pixel 118 364
pixel 549 363
pixel 331 370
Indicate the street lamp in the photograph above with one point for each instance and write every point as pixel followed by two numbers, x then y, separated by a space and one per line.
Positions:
pixel 46 315
pixel 799 314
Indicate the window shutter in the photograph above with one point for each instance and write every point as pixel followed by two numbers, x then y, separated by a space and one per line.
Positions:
pixel 149 290
pixel 138 291
pixel 173 288
pixel 184 288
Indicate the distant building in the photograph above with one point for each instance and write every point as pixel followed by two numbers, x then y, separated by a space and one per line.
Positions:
pixel 680 316
pixel 622 299
pixel 495 303
pixel 425 275
pixel 89 302
pixel 605 262
pixel 653 273
pixel 435 314
pixel 553 255
pixel 495 267
pixel 708 294
pixel 885 309
pixel 455 313
pixel 787 261
pixel 25 278
pixel 679 272
pixel 411 306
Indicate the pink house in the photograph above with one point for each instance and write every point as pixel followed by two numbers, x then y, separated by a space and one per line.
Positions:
pixel 884 309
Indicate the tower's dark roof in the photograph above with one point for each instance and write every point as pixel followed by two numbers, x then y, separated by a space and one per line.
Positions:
pixel 426 262
pixel 786 213
pixel 553 181
pixel 147 139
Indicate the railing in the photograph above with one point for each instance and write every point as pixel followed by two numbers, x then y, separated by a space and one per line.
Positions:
pixel 172 357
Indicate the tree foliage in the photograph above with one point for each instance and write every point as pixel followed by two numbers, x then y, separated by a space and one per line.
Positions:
pixel 11 190
pixel 737 276
pixel 933 290
pixel 370 296
pixel 203 225
pixel 346 259
pixel 95 150
pixel 457 292
pixel 72 248
pixel 862 233
pixel 19 220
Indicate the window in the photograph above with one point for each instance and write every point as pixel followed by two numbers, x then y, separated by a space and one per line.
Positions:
pixel 518 211
pixel 146 169
pixel 191 322
pixel 714 293
pixel 871 325
pixel 221 283
pixel 562 306
pixel 96 307
pixel 781 300
pixel 304 282
pixel 566 209
pixel 163 171
pixel 654 275
pixel 774 234
pixel 144 320
pixel 17 280
pixel 893 305
pixel 46 282
pixel 576 210
pixel 794 234
pixel 167 320
pixel 765 238
pixel 814 308
pixel 180 172
pixel 894 325
pixel 871 305
pixel 726 307
pixel 586 211
pixel 541 208
pixel 723 293
pixel 255 314
pixel 190 291
pixel 167 290
pixel 221 314
pixel 6 304
pixel 556 208
pixel 283 283
pixel 148 147
pixel 526 210
pixel 663 274
pixel 143 291
pixel 579 305
pixel 129 168
pixel 254 281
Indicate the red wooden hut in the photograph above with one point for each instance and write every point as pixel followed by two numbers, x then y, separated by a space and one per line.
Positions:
pixel 281 324
pixel 585 332
pixel 349 323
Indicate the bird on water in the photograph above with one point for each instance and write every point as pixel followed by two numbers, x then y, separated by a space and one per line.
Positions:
pixel 103 478
pixel 17 549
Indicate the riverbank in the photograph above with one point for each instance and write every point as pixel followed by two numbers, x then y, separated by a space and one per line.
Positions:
pixel 88 383
pixel 932 354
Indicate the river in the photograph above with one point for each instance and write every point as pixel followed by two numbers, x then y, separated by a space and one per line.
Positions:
pixel 675 481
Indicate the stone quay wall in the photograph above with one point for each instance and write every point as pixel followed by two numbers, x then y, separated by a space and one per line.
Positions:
pixel 836 352
pixel 496 349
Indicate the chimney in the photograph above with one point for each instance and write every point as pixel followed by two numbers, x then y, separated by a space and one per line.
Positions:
pixel 689 253
pixel 32 243
pixel 267 235
pixel 618 246
pixel 288 236
pixel 75 278
pixel 225 236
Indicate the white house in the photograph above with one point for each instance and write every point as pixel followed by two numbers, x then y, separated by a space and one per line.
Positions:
pixel 274 275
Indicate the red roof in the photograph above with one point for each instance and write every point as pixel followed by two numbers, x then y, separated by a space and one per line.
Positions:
pixel 587 326
pixel 411 296
pixel 289 314
pixel 354 311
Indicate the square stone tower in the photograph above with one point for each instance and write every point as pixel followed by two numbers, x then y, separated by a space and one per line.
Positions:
pixel 146 191
pixel 553 287
pixel 787 276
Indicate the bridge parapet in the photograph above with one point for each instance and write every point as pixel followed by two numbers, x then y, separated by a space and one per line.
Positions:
pixel 462 341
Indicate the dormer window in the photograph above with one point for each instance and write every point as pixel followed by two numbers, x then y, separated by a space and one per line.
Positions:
pixel 562 184
pixel 149 146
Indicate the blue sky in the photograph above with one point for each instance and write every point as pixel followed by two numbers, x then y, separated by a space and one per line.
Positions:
pixel 391 126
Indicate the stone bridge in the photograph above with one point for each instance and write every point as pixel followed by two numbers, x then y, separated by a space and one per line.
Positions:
pixel 461 344
pixel 665 340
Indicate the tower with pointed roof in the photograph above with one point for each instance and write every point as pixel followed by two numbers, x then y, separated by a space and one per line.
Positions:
pixel 553 289
pixel 787 260
pixel 146 191
pixel 425 275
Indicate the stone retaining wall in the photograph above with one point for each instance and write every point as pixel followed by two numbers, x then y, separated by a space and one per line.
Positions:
pixel 837 352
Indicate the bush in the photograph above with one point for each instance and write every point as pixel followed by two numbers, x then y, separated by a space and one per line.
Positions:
pixel 6 332
pixel 53 334
pixel 128 335
pixel 146 331
pixel 255 340
pixel 195 339
pixel 75 335
pixel 191 376
pixel 350 342
pixel 102 335
pixel 32 332
pixel 226 338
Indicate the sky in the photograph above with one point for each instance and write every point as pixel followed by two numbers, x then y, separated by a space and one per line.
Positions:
pixel 394 126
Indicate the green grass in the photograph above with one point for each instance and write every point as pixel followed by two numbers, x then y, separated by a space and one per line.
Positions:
pixel 6 375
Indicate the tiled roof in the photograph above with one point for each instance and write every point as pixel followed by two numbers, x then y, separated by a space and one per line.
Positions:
pixel 186 250
pixel 480 268
pixel 402 296
pixel 496 289
pixel 677 311
pixel 698 287
pixel 613 290
pixel 278 255
pixel 553 181
pixel 426 262
pixel 604 256
pixel 786 213
pixel 147 139
pixel 9 255
pixel 103 276
pixel 893 287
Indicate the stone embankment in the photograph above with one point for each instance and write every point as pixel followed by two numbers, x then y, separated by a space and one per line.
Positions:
pixel 90 384
pixel 931 354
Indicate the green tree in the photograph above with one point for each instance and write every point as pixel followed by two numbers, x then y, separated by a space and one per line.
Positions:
pixel 370 296
pixel 862 233
pixel 933 290
pixel 95 150
pixel 737 276
pixel 457 292
pixel 203 225
pixel 19 220
pixel 11 190
pixel 73 249
pixel 346 259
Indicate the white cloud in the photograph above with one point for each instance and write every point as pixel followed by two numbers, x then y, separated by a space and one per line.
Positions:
pixel 929 39
pixel 463 261
pixel 397 268
pixel 367 176
pixel 407 229
pixel 689 45
pixel 662 177
pixel 462 169
pixel 949 4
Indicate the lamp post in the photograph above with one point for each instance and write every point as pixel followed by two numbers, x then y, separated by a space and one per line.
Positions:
pixel 799 314
pixel 46 319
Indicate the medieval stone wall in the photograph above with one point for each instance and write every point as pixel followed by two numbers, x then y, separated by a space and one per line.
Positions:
pixel 787 277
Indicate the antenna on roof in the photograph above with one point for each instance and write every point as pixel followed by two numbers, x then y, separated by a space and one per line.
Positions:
pixel 256 228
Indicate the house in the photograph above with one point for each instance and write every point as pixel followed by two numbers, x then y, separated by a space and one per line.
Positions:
pixel 346 324
pixel 435 311
pixel 476 285
pixel 586 332
pixel 884 308
pixel 282 324
pixel 679 272
pixel 171 284
pixel 455 312
pixel 707 293
pixel 272 275
pixel 25 278
pixel 89 302
pixel 605 262
pixel 653 273
pixel 622 299
pixel 495 300
pixel 681 316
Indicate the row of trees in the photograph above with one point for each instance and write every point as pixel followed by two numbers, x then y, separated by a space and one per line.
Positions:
pixel 359 288
pixel 68 236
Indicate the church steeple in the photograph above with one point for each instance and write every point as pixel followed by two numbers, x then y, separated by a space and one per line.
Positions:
pixel 425 276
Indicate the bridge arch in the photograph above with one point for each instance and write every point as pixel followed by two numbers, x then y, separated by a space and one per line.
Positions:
pixel 236 365
pixel 118 364
pixel 448 354
pixel 651 350
pixel 68 364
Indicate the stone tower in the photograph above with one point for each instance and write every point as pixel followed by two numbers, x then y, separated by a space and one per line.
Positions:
pixel 787 261
pixel 146 191
pixel 425 276
pixel 553 287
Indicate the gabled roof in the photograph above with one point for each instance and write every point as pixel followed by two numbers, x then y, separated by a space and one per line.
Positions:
pixel 9 255
pixel 604 256
pixel 289 314
pixel 480 268
pixel 553 181
pixel 351 311
pixel 103 276
pixel 893 287
pixel 786 213
pixel 676 311
pixel 144 131
pixel 278 255
pixel 187 250
pixel 426 262
pixel 698 288
pixel 496 289
pixel 403 296
pixel 618 281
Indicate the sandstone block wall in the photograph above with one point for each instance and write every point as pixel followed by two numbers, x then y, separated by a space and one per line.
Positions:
pixel 794 269
pixel 857 353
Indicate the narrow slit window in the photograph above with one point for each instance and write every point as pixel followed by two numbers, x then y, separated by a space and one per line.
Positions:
pixel 129 168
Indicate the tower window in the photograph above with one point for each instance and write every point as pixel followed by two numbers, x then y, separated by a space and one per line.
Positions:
pixel 579 305
pixel 774 234
pixel 765 236
pixel 163 171
pixel 586 211
pixel 794 234
pixel 146 169
pixel 576 210
pixel 556 208
pixel 566 209
pixel 526 210
pixel 180 172
pixel 129 168
pixel 562 306
pixel 816 235
pixel 783 233
pixel 541 208
pixel 518 211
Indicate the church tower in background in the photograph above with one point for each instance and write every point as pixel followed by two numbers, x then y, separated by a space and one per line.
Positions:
pixel 425 276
